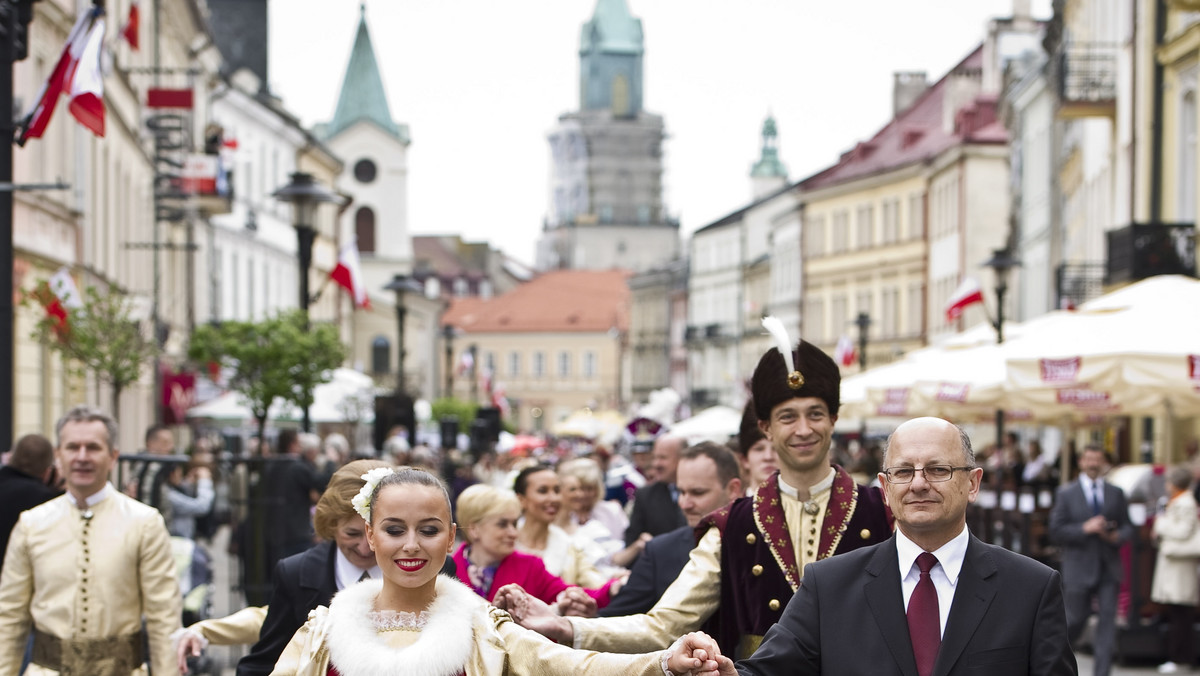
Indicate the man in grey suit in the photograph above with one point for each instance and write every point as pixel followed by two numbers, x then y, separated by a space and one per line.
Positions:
pixel 1090 521
pixel 931 601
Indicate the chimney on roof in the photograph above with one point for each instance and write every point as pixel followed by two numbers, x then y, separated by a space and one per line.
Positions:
pixel 907 87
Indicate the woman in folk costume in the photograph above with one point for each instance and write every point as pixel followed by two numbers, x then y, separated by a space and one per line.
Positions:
pixel 1175 584
pixel 489 559
pixel 418 623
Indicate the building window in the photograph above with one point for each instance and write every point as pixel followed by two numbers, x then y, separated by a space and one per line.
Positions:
pixel 485 289
pixel 889 300
pixel 916 216
pixel 489 362
pixel 841 228
pixel 461 287
pixel 364 229
pixel 433 287
pixel 539 364
pixel 514 363
pixel 364 171
pixel 589 364
pixel 916 310
pixel 838 318
pixel 381 355
pixel 1187 149
pixel 815 237
pixel 814 319
pixel 865 227
pixel 564 364
pixel 891 221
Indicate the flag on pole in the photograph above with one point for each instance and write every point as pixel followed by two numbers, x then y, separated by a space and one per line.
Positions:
pixel 59 296
pixel 348 274
pixel 845 353
pixel 466 362
pixel 130 31
pixel 77 74
pixel 968 293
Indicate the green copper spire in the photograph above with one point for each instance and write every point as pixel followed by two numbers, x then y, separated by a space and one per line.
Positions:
pixel 610 56
pixel 362 96
pixel 769 165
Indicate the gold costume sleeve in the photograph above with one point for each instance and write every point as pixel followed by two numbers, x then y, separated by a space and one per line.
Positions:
pixel 690 600
pixel 16 593
pixel 530 654
pixel 240 628
pixel 162 604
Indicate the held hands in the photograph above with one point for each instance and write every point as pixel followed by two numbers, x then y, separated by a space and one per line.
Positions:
pixel 696 654
pixel 190 645
pixel 533 613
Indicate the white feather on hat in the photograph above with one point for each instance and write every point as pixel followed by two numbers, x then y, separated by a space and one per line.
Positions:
pixel 784 344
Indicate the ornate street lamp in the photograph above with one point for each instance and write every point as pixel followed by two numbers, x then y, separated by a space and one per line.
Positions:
pixel 1002 262
pixel 304 193
pixel 863 321
pixel 448 336
pixel 401 285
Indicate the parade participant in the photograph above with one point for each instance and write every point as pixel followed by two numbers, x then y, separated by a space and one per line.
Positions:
pixel 415 621
pixel 309 579
pixel 750 557
pixel 589 519
pixel 708 480
pixel 488 559
pixel 655 508
pixel 934 599
pixel 1090 522
pixel 755 453
pixel 84 570
pixel 539 492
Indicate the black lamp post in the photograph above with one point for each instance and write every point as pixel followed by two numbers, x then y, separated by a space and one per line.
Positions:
pixel 403 412
pixel 863 321
pixel 1002 262
pixel 448 336
pixel 304 194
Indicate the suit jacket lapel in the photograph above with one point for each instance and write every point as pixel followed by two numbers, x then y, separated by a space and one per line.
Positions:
pixel 974 593
pixel 886 601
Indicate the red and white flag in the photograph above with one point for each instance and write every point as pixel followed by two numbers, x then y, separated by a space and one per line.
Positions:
pixel 844 353
pixel 466 363
pixel 76 74
pixel 63 297
pixel 968 293
pixel 348 275
pixel 130 31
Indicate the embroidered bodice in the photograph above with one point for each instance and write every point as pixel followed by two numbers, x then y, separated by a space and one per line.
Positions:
pixel 398 620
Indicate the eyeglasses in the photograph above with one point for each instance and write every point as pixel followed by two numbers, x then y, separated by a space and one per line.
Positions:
pixel 932 473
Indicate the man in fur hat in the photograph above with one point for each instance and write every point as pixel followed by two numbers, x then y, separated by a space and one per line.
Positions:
pixel 751 553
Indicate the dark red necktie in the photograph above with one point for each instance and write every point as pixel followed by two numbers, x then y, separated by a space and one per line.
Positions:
pixel 924 621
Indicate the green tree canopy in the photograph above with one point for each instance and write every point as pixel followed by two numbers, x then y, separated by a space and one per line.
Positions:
pixel 283 356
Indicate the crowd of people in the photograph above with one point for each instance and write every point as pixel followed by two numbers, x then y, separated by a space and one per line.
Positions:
pixel 770 552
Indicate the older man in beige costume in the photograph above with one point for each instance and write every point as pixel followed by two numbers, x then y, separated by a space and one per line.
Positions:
pixel 83 570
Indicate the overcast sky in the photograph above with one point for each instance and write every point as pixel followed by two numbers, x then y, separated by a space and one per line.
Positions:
pixel 481 82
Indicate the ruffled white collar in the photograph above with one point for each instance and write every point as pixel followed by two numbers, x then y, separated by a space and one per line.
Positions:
pixel 445 645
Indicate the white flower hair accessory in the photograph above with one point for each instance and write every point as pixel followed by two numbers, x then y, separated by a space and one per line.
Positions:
pixel 362 501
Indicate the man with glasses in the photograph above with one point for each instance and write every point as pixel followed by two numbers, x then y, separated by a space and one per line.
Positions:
pixel 932 599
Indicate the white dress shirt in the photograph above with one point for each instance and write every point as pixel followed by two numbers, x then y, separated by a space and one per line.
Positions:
pixel 944 574
pixel 1093 490
pixel 347 574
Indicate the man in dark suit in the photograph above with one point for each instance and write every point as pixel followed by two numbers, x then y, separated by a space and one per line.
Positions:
pixel 707 479
pixel 24 482
pixel 1090 522
pixel 931 600
pixel 655 510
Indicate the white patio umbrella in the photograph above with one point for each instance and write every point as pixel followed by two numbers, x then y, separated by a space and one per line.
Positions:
pixel 1133 351
pixel 336 401
pixel 716 423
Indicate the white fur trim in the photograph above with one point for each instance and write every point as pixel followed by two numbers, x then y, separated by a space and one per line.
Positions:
pixel 445 645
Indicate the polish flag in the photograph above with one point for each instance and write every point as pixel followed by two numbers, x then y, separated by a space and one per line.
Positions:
pixel 466 362
pixel 348 275
pixel 968 293
pixel 77 74
pixel 62 297
pixel 130 31
pixel 844 353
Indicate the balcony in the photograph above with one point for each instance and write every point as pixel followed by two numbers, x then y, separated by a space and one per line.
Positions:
pixel 1077 283
pixel 1087 80
pixel 1142 250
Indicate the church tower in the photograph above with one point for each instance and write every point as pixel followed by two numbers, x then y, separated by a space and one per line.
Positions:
pixel 375 149
pixel 606 181
pixel 768 174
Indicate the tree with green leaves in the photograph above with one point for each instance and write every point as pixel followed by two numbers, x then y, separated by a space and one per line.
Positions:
pixel 98 336
pixel 283 356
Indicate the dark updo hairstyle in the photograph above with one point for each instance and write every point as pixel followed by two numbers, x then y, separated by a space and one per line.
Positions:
pixel 409 476
pixel 521 483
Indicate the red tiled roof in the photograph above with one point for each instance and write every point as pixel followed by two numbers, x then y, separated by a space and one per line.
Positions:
pixel 555 302
pixel 918 133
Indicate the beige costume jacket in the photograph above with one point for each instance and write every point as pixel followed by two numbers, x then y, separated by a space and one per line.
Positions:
pixel 78 578
pixel 240 628
pixel 464 635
